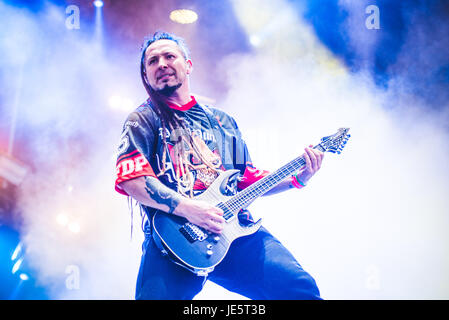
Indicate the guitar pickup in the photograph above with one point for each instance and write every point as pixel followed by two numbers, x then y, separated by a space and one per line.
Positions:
pixel 192 232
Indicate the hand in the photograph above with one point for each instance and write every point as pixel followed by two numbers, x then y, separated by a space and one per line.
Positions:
pixel 202 214
pixel 313 159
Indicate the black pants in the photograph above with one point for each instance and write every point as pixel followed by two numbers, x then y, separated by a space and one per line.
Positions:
pixel 256 266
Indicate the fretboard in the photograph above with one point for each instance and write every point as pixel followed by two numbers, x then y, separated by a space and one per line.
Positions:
pixel 245 197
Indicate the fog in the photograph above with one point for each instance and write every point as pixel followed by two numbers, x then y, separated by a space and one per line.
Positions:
pixel 369 225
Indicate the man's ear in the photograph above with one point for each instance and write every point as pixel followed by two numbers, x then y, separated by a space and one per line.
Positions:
pixel 189 66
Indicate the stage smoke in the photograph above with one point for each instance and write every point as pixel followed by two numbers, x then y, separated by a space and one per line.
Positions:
pixel 369 224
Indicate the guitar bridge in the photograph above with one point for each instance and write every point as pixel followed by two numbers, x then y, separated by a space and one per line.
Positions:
pixel 192 232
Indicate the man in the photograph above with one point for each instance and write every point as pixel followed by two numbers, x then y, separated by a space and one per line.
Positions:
pixel 170 152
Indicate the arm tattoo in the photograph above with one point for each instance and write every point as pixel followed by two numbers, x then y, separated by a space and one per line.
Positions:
pixel 162 194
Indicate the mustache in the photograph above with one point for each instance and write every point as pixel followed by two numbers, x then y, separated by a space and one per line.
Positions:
pixel 162 74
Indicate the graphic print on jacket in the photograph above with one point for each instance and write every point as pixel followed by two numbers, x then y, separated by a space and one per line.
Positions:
pixel 141 148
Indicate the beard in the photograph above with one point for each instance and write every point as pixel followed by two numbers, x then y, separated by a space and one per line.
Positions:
pixel 168 90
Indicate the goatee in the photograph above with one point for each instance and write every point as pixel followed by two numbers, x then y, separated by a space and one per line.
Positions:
pixel 169 90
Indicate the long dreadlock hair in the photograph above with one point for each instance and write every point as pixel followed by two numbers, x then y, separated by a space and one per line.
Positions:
pixel 180 134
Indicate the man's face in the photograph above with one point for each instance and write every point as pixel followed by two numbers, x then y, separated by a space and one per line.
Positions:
pixel 165 66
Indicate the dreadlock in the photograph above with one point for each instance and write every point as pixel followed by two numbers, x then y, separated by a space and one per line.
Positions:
pixel 185 142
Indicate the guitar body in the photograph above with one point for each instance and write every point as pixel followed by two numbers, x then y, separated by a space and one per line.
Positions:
pixel 194 247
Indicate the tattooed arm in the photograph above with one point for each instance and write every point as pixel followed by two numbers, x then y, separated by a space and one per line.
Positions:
pixel 149 191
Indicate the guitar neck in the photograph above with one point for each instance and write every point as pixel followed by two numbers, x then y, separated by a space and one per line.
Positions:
pixel 245 197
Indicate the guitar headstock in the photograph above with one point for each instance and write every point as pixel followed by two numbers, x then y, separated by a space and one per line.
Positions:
pixel 336 142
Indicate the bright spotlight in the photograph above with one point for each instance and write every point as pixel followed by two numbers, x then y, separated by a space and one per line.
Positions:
pixel 74 227
pixel 183 16
pixel 255 40
pixel 24 277
pixel 17 251
pixel 98 3
pixel 62 219
pixel 16 266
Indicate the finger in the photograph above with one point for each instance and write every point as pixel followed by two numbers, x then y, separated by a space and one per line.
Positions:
pixel 219 211
pixel 214 226
pixel 308 161
pixel 319 157
pixel 209 225
pixel 312 158
pixel 218 219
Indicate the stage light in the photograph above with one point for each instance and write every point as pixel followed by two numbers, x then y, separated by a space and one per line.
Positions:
pixel 183 16
pixel 16 265
pixel 24 277
pixel 16 252
pixel 255 40
pixel 62 219
pixel 98 3
pixel 74 227
pixel 12 170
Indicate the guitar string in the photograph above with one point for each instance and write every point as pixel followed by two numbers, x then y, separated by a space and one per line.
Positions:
pixel 250 192
pixel 256 189
pixel 260 187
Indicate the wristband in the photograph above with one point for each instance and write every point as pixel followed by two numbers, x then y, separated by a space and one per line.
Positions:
pixel 297 183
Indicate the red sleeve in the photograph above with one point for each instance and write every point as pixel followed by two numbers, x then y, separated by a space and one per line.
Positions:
pixel 130 166
pixel 250 176
pixel 134 149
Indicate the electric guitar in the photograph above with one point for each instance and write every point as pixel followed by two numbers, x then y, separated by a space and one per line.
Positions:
pixel 200 250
